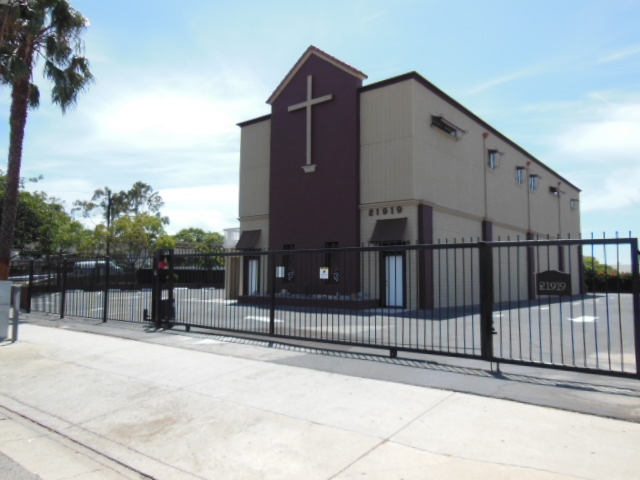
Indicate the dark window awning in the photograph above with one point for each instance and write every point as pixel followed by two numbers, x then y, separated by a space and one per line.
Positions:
pixel 389 231
pixel 446 126
pixel 248 240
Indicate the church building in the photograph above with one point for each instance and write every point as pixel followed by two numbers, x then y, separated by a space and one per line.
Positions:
pixel 337 163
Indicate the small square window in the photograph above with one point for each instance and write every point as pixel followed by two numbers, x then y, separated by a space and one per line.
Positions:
pixel 574 203
pixel 520 171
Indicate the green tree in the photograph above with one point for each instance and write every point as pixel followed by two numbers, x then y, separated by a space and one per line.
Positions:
pixel 72 237
pixel 165 241
pixel 30 30
pixel 190 235
pixel 213 242
pixel 139 199
pixel 101 204
pixel 592 266
pixel 42 227
pixel 202 242
pixel 130 223
pixel 134 237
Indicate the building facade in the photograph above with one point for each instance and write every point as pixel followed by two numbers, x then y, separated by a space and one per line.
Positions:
pixel 339 164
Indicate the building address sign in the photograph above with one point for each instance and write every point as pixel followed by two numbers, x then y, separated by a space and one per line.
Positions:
pixel 374 212
pixel 553 282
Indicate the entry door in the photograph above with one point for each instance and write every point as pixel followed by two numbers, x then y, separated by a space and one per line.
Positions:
pixel 394 273
pixel 252 276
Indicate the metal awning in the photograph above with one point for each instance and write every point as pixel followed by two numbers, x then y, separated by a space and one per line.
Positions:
pixel 389 231
pixel 248 240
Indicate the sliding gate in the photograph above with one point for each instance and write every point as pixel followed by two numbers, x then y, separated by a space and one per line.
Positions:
pixel 570 304
pixel 567 304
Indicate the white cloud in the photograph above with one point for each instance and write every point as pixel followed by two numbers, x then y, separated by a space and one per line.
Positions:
pixel 66 190
pixel 602 148
pixel 175 113
pixel 609 134
pixel 621 55
pixel 529 70
pixel 212 208
pixel 550 107
pixel 497 81
pixel 164 119
pixel 179 135
pixel 616 190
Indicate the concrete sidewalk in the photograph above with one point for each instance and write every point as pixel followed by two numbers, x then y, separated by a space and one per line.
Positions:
pixel 175 406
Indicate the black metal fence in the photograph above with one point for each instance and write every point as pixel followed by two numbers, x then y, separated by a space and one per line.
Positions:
pixel 543 303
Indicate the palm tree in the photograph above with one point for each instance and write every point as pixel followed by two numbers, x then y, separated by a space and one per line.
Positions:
pixel 31 30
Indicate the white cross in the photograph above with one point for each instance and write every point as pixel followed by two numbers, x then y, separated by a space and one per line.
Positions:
pixel 307 104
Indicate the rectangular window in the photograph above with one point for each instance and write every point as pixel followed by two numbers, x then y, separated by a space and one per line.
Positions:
pixel 439 122
pixel 520 171
pixel 492 159
pixel 533 182
pixel 574 204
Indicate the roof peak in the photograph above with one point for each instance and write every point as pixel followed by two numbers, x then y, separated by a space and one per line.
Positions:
pixel 313 50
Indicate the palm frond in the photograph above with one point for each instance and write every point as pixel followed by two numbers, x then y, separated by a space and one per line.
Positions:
pixel 68 82
pixel 34 96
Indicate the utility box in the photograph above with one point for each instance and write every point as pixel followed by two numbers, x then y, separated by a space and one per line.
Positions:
pixel 167 310
pixel 5 308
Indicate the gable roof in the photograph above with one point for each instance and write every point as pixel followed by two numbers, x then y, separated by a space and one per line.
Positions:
pixel 305 56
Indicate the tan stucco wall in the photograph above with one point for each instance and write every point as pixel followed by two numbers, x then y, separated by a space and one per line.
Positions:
pixel 386 158
pixel 255 141
pixel 405 159
pixel 370 214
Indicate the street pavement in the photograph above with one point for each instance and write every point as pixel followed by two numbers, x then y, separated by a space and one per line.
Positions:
pixel 80 399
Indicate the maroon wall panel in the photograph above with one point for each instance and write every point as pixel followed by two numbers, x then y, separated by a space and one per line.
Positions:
pixel 310 209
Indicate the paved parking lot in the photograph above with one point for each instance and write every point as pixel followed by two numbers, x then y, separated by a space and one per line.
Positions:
pixel 594 331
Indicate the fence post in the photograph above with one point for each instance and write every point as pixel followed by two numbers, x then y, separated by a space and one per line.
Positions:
pixel 63 286
pixel 272 290
pixel 15 302
pixel 635 289
pixel 486 300
pixel 30 287
pixel 531 268
pixel 105 299
pixel 155 292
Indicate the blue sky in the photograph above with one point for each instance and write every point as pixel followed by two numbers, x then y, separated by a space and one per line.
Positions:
pixel 561 78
